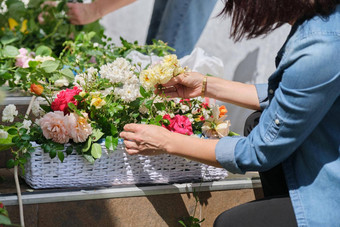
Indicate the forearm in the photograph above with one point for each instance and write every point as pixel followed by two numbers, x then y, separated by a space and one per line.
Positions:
pixel 244 95
pixel 103 7
pixel 193 148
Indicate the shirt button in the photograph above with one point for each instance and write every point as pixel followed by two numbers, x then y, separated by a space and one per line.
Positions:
pixel 277 121
pixel 271 91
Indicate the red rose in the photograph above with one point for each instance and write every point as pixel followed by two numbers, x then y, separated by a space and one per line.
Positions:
pixel 1 205
pixel 180 124
pixel 63 98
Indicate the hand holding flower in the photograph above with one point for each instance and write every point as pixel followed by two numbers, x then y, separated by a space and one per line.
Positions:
pixel 185 85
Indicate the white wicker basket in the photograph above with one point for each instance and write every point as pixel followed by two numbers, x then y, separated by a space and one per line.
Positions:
pixel 114 168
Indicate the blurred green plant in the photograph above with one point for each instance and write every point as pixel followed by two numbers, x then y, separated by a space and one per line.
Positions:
pixel 20 25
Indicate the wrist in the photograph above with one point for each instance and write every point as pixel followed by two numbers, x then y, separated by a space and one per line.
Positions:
pixel 97 11
pixel 204 86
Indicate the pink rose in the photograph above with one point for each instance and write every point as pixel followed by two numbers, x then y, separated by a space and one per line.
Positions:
pixel 54 126
pixel 180 124
pixel 78 127
pixel 63 98
pixel 23 58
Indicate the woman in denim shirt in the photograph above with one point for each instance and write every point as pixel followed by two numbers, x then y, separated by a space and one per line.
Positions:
pixel 300 124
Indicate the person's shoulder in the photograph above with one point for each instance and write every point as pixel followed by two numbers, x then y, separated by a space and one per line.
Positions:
pixel 321 26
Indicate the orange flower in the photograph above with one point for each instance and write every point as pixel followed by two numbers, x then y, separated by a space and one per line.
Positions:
pixel 37 89
pixel 223 111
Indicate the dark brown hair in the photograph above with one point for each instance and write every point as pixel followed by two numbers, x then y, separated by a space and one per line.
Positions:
pixel 253 18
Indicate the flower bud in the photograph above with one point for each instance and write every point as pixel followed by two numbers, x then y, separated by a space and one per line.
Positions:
pixel 37 89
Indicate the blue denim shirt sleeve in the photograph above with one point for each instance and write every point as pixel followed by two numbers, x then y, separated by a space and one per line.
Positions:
pixel 302 98
pixel 262 94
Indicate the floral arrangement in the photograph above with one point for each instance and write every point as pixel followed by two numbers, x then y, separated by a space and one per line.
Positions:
pixel 97 106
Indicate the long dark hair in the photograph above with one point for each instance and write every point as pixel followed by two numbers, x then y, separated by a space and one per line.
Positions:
pixel 253 18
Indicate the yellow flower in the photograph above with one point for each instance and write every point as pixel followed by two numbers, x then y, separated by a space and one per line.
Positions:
pixel 12 23
pixel 97 102
pixel 23 28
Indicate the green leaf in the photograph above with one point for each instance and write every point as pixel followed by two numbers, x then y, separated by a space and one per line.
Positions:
pixel 143 92
pixel 43 51
pixel 158 118
pixel 182 223
pixel 233 133
pixel 10 51
pixel 68 74
pixel 10 163
pixel 53 154
pixel 114 130
pixel 5 220
pixel 33 64
pixel 61 156
pixel 25 137
pixel 12 131
pixel 89 158
pixel 87 145
pixel 96 150
pixel 69 150
pixel 49 66
pixel 5 40
pixel 111 143
pixel 96 135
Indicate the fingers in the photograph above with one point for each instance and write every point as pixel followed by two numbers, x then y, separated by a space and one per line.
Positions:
pixel 167 91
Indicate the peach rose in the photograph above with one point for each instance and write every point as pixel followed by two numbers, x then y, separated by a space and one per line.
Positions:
pixel 78 127
pixel 37 89
pixel 54 126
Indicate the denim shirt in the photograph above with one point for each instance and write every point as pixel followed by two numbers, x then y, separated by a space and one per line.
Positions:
pixel 300 123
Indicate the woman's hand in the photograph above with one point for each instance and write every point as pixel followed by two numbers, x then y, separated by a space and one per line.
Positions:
pixel 82 13
pixel 145 139
pixel 185 85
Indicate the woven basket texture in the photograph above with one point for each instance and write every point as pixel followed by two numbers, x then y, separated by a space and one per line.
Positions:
pixel 115 168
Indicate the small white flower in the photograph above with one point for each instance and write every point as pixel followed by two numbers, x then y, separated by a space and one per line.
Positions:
pixel 3 134
pixel 9 113
pixel 36 110
pixel 184 108
pixel 26 124
pixel 43 58
pixel 62 82
pixel 162 113
pixel 95 44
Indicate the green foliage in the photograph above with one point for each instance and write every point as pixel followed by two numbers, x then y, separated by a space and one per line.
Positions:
pixel 27 31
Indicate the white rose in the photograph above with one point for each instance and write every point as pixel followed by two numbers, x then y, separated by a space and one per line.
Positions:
pixel 62 82
pixel 9 113
pixel 3 134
